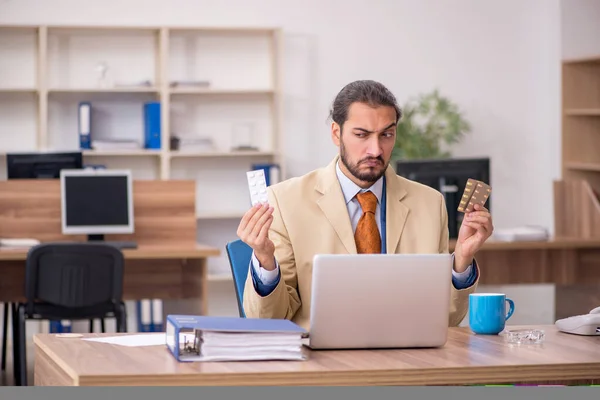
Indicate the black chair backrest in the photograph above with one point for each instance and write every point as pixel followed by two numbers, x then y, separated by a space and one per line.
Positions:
pixel 73 274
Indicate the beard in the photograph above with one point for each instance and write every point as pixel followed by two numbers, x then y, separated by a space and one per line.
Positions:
pixel 371 174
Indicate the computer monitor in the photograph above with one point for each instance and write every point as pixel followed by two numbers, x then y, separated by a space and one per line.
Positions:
pixel 449 177
pixel 96 202
pixel 41 165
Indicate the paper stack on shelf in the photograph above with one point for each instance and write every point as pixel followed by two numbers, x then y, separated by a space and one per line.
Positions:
pixel 201 338
pixel 116 145
pixel 520 234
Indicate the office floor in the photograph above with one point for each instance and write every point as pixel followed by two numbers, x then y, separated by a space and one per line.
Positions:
pixel 7 377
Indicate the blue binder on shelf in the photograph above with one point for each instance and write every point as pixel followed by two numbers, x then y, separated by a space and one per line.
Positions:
pixel 84 121
pixel 184 335
pixel 60 327
pixel 152 125
pixel 149 315
pixel 272 172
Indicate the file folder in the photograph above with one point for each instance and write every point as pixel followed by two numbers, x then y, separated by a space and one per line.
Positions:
pixel 272 172
pixel 84 118
pixel 149 315
pixel 152 139
pixel 204 338
pixel 144 315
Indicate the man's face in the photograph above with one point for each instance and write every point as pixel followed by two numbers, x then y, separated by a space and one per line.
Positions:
pixel 366 141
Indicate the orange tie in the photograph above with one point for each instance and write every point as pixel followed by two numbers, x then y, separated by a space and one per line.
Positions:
pixel 367 234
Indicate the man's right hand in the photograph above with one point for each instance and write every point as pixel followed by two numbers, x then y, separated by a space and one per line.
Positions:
pixel 254 231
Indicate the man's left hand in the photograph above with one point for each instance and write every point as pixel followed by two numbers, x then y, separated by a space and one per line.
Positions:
pixel 475 229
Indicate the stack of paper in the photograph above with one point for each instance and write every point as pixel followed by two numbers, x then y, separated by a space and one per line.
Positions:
pixel 225 346
pixel 116 145
pixel 234 339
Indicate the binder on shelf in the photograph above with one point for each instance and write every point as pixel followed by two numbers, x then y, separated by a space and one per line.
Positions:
pixel 144 315
pixel 272 172
pixel 152 125
pixel 203 338
pixel 60 326
pixel 157 315
pixel 149 315
pixel 84 118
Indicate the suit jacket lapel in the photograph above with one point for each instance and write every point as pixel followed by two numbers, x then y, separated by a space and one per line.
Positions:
pixel 332 204
pixel 396 212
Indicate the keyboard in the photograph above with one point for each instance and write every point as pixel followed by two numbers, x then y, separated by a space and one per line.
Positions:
pixel 121 245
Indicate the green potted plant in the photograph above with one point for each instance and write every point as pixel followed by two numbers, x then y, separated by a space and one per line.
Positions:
pixel 430 124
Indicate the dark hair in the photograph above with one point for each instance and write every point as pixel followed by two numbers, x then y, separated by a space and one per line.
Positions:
pixel 366 91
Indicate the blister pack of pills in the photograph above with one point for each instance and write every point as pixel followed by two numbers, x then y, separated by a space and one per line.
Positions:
pixel 257 185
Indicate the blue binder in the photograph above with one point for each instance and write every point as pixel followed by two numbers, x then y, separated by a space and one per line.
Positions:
pixel 272 172
pixel 152 125
pixel 149 315
pixel 180 324
pixel 84 121
pixel 60 327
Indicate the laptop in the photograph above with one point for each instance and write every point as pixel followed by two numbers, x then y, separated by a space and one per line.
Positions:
pixel 367 301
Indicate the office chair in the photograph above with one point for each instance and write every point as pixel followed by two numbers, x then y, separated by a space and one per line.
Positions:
pixel 73 281
pixel 240 255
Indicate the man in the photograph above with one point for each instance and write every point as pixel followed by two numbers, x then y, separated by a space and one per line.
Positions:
pixel 356 204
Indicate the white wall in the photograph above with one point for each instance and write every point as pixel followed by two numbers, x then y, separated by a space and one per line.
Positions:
pixel 498 59
pixel 580 22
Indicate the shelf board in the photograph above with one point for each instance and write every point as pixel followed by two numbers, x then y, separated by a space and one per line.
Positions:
pixel 583 112
pixel 121 153
pixel 128 89
pixel 583 166
pixel 100 29
pixel 200 154
pixel 209 91
pixel 220 277
pixel 582 60
pixel 19 28
pixel 223 29
pixel 221 215
pixel 17 90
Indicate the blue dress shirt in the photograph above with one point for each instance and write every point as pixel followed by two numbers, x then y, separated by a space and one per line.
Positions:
pixel 265 281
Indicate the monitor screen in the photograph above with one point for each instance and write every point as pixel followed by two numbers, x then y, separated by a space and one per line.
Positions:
pixel 449 177
pixel 96 202
pixel 41 165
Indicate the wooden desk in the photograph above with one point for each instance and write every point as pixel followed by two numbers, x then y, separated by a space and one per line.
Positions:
pixel 151 272
pixel 573 265
pixel 465 359
pixel 168 264
pixel 562 261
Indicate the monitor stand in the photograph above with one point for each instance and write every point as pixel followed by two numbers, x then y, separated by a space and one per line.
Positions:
pixel 115 243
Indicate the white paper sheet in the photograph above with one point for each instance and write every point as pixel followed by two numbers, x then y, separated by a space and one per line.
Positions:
pixel 148 339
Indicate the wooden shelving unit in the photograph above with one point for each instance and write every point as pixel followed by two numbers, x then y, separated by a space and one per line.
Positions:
pixel 46 70
pixel 577 209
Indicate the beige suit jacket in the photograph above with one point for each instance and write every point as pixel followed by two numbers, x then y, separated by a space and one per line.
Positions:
pixel 310 217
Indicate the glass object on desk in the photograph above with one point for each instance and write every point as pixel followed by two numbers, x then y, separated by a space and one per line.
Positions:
pixel 242 138
pixel 524 336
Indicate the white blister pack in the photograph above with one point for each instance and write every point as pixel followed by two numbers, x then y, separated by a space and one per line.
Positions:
pixel 257 185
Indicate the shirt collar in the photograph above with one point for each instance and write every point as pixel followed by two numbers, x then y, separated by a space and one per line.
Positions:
pixel 351 189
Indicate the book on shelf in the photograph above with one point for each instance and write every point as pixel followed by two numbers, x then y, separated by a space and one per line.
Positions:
pixel 203 338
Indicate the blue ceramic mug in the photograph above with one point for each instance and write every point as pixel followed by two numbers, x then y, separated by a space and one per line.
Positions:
pixel 487 312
